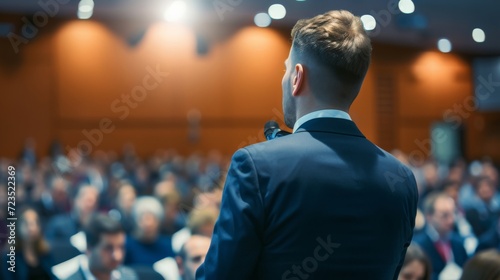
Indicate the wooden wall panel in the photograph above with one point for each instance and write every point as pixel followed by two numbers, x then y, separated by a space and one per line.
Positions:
pixel 78 73
pixel 26 97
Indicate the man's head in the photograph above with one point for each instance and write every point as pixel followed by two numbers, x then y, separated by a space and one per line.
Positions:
pixel 485 189
pixel 59 190
pixel 326 66
pixel 439 210
pixel 126 198
pixel 451 188
pixel 202 221
pixel 105 244
pixel 86 202
pixel 192 255
pixel 148 214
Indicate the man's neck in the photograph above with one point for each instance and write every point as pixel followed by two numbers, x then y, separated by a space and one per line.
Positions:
pixel 437 236
pixel 304 111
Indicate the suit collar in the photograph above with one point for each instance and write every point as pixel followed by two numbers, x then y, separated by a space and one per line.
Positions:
pixel 331 125
pixel 326 113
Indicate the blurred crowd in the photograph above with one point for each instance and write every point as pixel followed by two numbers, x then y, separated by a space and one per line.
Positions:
pixel 458 220
pixel 161 203
pixel 153 218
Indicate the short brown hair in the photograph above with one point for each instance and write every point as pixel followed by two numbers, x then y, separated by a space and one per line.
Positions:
pixel 483 266
pixel 98 225
pixel 430 202
pixel 338 39
pixel 415 253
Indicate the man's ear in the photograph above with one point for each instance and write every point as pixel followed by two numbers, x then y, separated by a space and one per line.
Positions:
pixel 298 79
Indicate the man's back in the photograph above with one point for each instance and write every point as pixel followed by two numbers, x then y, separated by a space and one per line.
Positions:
pixel 329 205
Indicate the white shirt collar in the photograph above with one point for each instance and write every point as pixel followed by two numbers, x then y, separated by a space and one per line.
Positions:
pixel 327 113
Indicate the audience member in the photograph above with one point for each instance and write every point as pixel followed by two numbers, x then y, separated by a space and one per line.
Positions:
pixel 462 226
pixel 483 266
pixel 443 247
pixel 105 252
pixel 483 214
pixel 62 227
pixel 4 231
pixel 192 255
pixel 173 218
pixel 416 265
pixel 429 179
pixel 33 259
pixel 490 239
pixel 200 222
pixel 146 245
pixel 54 200
pixel 124 203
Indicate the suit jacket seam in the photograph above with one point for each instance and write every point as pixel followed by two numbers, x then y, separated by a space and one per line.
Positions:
pixel 259 193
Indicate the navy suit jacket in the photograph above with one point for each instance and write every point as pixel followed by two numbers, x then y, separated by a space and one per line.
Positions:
pixel 322 203
pixel 437 262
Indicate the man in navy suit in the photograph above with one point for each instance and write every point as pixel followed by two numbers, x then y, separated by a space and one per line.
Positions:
pixel 442 245
pixel 323 202
pixel 105 252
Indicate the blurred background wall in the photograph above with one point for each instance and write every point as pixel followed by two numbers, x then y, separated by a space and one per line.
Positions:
pixel 71 83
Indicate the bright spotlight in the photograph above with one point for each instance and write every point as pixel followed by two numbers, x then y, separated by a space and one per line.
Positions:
pixel 262 20
pixel 369 22
pixel 85 15
pixel 176 11
pixel 478 35
pixel 277 11
pixel 85 9
pixel 444 45
pixel 406 6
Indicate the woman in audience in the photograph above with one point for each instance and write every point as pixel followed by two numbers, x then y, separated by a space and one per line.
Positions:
pixel 33 260
pixel 146 245
pixel 416 265
pixel 483 214
pixel 483 266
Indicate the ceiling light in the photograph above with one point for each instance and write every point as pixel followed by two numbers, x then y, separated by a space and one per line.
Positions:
pixel 84 15
pixel 176 11
pixel 85 9
pixel 478 35
pixel 277 11
pixel 444 45
pixel 369 22
pixel 406 6
pixel 262 20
